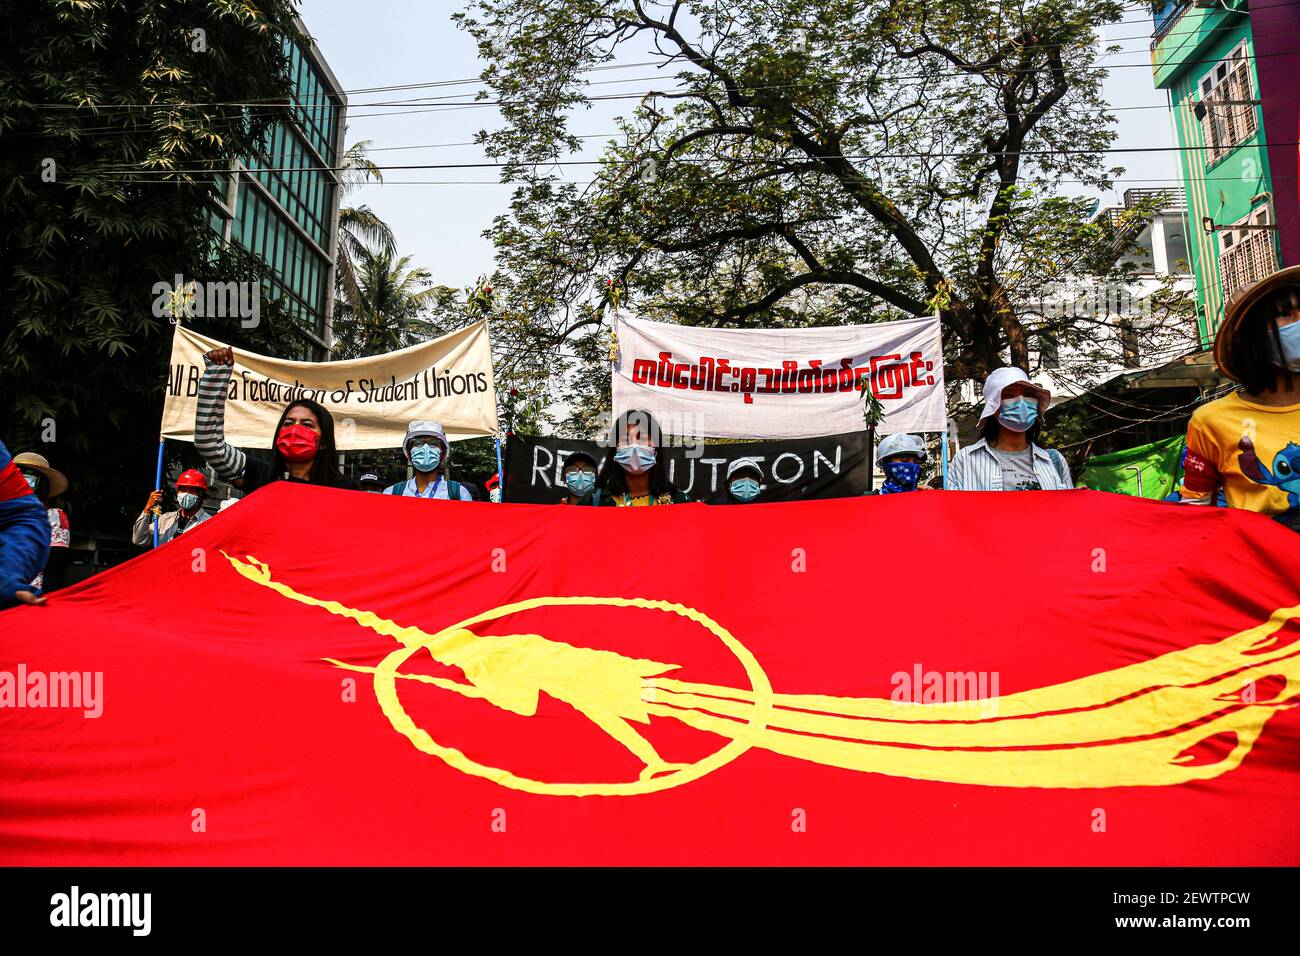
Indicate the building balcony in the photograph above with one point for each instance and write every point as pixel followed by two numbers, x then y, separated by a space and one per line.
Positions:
pixel 1170 13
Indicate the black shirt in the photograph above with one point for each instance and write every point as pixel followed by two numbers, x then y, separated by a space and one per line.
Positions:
pixel 258 473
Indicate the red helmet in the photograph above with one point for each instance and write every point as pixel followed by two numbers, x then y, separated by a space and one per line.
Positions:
pixel 192 478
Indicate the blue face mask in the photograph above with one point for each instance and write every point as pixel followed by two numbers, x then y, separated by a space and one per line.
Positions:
pixel 580 482
pixel 1018 414
pixel 1290 338
pixel 188 500
pixel 31 480
pixel 426 457
pixel 746 489
pixel 903 474
pixel 635 459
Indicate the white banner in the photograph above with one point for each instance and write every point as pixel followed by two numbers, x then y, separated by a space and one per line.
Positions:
pixel 447 380
pixel 779 383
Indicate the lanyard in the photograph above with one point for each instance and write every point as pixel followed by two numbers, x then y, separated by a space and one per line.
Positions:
pixel 432 489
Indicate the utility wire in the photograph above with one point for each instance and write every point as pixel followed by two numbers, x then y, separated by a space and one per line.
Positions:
pixel 866 157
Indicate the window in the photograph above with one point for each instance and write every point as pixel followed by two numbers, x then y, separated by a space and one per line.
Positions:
pixel 272 241
pixel 244 224
pixel 1227 117
pixel 1176 247
pixel 1246 255
pixel 257 222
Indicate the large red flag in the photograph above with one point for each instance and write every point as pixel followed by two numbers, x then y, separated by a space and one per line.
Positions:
pixel 327 677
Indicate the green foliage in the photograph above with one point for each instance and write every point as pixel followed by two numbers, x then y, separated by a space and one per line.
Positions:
pixel 360 228
pixel 392 309
pixel 797 162
pixel 117 118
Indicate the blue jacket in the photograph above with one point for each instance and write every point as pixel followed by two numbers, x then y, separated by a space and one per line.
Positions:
pixel 24 532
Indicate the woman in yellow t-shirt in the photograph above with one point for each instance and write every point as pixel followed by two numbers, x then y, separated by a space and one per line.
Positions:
pixel 634 474
pixel 1248 443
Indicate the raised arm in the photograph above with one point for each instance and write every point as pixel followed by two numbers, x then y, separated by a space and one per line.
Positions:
pixel 210 420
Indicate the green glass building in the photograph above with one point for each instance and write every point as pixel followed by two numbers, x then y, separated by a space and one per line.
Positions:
pixel 282 202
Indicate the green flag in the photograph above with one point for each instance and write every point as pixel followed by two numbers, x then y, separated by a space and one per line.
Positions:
pixel 1147 471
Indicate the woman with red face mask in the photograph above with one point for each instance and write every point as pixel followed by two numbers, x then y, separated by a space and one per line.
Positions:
pixel 303 448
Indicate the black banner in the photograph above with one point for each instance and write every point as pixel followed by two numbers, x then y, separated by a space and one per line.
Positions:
pixel 833 466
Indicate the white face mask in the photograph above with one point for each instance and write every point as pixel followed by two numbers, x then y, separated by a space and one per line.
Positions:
pixel 1289 336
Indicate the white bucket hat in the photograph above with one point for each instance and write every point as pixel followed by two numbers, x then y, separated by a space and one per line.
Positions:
pixel 425 430
pixel 900 444
pixel 1001 379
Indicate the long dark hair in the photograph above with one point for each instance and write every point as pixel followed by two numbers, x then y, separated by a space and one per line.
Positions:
pixel 325 469
pixel 612 480
pixel 1253 352
pixel 989 430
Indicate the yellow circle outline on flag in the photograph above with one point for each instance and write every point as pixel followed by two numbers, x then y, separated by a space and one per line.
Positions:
pixel 1134 725
pixel 385 685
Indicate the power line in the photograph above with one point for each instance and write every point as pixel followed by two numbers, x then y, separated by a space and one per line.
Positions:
pixel 274 101
pixel 423 102
pixel 701 161
pixel 614 134
pixel 1168 415
pixel 418 106
pixel 479 81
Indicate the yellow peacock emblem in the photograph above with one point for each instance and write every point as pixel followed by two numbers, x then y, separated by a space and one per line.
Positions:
pixel 1133 726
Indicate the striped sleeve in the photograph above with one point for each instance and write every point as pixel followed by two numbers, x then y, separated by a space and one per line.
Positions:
pixel 209 423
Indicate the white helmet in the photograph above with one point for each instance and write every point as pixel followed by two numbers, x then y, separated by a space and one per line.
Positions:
pixel 426 430
pixel 900 444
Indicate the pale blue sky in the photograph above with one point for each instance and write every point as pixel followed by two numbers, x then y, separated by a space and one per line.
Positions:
pixel 438 215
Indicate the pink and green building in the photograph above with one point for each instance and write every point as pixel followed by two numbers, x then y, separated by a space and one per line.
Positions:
pixel 1231 75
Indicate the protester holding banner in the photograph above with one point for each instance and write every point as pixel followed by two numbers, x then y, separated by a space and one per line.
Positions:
pixel 24 536
pixel 579 476
pixel 779 383
pixel 1248 443
pixel 427 450
pixel 191 489
pixel 1008 457
pixel 744 481
pixel 800 469
pixel 901 457
pixel 303 447
pixel 634 475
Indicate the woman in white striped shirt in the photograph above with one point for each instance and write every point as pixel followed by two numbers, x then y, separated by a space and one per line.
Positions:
pixel 1008 457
